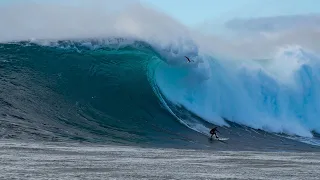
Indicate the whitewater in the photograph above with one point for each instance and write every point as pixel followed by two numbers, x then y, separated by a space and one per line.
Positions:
pixel 269 84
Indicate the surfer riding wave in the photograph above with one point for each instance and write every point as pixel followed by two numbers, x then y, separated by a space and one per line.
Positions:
pixel 214 132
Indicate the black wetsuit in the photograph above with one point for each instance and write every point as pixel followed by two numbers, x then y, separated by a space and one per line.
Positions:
pixel 213 132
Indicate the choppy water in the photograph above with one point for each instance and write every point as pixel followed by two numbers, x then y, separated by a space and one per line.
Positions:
pixel 79 161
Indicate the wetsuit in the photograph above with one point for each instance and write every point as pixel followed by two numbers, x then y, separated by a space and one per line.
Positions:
pixel 213 132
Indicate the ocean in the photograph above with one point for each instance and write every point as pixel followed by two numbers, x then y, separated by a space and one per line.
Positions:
pixel 131 107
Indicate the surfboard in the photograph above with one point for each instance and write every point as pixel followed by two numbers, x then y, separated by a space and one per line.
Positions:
pixel 219 139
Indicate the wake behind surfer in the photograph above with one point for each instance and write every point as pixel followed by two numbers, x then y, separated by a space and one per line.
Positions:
pixel 214 131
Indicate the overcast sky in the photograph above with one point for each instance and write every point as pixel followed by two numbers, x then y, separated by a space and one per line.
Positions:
pixel 192 12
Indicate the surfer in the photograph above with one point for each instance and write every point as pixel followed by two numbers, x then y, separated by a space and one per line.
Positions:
pixel 213 132
pixel 187 59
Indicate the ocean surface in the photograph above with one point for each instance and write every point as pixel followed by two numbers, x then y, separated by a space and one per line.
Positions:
pixel 104 90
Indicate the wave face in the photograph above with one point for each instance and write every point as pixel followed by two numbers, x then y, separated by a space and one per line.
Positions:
pixel 84 90
pixel 128 92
